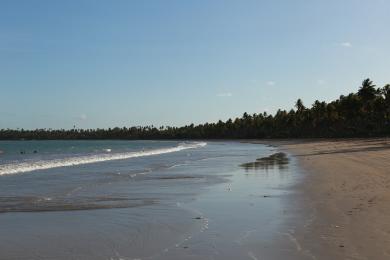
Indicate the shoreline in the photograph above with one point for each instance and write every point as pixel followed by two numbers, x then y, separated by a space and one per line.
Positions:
pixel 204 204
pixel 330 202
pixel 346 191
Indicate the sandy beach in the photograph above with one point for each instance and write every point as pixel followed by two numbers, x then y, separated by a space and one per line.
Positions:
pixel 346 189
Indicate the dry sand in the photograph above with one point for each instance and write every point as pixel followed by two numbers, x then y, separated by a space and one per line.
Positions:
pixel 347 193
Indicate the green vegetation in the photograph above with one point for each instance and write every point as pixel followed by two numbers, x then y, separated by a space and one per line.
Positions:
pixel 362 114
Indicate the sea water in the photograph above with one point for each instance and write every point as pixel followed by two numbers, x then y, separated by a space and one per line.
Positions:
pixel 141 200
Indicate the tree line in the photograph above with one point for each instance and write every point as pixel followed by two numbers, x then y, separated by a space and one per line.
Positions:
pixel 362 114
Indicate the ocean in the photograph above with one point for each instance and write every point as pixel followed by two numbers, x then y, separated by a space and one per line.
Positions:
pixel 145 200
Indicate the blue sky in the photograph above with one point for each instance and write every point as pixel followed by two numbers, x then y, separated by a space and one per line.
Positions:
pixel 123 63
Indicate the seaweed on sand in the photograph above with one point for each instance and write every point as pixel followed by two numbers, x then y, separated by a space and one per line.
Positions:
pixel 279 160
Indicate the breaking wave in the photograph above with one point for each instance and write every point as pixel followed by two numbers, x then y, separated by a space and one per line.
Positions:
pixel 14 168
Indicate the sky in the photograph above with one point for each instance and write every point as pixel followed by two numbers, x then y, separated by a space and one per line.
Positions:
pixel 100 64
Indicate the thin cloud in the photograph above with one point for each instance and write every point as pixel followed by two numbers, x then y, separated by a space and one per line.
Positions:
pixel 226 94
pixel 81 117
pixel 346 44
pixel 321 82
pixel 271 83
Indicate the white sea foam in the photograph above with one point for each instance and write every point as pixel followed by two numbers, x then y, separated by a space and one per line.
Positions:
pixel 14 168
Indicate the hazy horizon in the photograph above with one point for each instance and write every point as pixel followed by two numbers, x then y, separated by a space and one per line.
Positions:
pixel 126 63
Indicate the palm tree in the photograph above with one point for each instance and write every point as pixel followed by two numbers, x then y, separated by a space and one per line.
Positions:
pixel 367 91
pixel 385 91
pixel 299 105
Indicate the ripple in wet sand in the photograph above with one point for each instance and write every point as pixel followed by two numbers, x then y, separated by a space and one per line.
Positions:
pixel 44 204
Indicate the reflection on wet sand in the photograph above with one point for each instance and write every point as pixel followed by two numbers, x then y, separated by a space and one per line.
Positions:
pixel 178 177
pixel 42 204
pixel 279 160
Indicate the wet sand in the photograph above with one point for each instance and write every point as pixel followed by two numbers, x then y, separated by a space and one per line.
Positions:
pixel 346 191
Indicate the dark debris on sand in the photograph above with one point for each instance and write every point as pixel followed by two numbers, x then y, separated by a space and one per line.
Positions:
pixel 279 160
